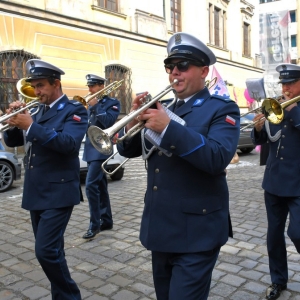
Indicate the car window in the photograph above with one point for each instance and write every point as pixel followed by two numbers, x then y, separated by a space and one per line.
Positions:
pixel 247 119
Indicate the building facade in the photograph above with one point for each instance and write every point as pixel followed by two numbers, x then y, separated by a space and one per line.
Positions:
pixel 282 35
pixel 125 39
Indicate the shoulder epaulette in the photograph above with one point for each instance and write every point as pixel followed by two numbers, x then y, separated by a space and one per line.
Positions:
pixel 222 98
pixel 74 102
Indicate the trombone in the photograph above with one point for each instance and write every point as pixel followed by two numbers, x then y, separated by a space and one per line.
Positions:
pixel 100 94
pixel 101 139
pixel 27 92
pixel 273 110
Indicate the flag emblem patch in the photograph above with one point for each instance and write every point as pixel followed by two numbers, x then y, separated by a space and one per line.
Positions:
pixel 76 118
pixel 230 120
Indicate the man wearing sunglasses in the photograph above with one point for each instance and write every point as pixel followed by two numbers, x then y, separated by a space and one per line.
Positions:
pixel 186 215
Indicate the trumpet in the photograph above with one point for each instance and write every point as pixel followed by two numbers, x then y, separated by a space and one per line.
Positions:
pixel 273 110
pixel 101 139
pixel 27 92
pixel 100 94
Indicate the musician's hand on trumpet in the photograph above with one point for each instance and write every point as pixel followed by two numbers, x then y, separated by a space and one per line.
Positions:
pixel 22 120
pixel 259 121
pixel 153 118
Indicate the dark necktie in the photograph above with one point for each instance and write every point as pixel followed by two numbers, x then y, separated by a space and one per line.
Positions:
pixel 46 108
pixel 178 104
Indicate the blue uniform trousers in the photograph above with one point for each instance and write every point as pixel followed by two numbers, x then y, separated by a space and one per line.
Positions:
pixel 179 276
pixel 49 227
pixel 278 209
pixel 98 197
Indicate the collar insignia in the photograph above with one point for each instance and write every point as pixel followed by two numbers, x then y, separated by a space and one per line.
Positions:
pixel 198 102
pixel 61 106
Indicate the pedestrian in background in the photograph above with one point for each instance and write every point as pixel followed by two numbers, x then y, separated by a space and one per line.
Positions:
pixel 186 214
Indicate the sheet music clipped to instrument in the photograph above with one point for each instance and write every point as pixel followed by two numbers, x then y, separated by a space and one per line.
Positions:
pixel 155 138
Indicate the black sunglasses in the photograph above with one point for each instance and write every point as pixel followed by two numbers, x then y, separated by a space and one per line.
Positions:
pixel 182 66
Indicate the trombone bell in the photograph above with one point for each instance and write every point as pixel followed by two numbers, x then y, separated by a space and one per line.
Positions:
pixel 26 90
pixel 100 139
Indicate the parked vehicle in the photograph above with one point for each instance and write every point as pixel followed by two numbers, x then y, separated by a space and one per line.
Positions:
pixel 110 166
pixel 10 170
pixel 245 144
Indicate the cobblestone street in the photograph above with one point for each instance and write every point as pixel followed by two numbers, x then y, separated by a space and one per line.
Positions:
pixel 116 266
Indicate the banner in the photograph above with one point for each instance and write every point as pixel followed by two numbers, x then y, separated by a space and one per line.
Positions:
pixel 220 87
pixel 274 47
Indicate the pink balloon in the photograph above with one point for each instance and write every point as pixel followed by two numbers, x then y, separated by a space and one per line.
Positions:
pixel 247 96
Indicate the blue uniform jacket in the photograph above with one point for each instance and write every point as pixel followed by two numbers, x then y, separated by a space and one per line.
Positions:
pixel 282 171
pixel 187 201
pixel 103 114
pixel 52 165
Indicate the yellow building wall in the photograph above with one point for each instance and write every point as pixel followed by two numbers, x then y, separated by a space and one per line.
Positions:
pixel 79 52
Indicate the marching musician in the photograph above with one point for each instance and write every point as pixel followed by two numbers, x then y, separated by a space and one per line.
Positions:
pixel 52 180
pixel 102 112
pixel 281 179
pixel 186 214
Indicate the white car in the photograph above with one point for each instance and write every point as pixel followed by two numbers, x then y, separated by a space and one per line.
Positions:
pixel 111 165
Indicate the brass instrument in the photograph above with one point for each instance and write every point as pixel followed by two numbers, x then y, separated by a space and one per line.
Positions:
pixel 273 110
pixel 100 94
pixel 101 139
pixel 210 83
pixel 28 96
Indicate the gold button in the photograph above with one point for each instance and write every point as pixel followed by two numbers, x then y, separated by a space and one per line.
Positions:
pixel 173 147
pixel 34 139
pixel 31 167
pixel 33 155
pixel 155 188
pixel 62 179
pixel 284 126
pixel 156 170
pixel 281 158
pixel 160 153
pixel 282 147
pixel 283 136
pixel 204 211
pixel 291 120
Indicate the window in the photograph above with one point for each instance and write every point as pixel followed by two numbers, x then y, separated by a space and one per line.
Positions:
pixel 294 40
pixel 246 40
pixel 124 92
pixel 12 68
pixel 217 26
pixel 265 1
pixel 176 15
pixel 109 4
pixel 293 16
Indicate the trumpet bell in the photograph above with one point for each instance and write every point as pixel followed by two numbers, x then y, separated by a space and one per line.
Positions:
pixel 272 110
pixel 100 140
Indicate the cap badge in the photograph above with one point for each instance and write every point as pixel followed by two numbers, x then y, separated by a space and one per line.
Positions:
pixel 32 63
pixel 32 70
pixel 284 67
pixel 178 39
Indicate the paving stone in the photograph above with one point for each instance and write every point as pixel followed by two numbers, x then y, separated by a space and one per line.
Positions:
pixel 125 295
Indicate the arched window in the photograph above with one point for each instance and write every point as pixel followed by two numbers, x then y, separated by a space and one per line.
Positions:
pixel 12 68
pixel 124 92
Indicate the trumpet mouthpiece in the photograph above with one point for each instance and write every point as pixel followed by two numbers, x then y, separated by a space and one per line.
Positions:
pixel 287 93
